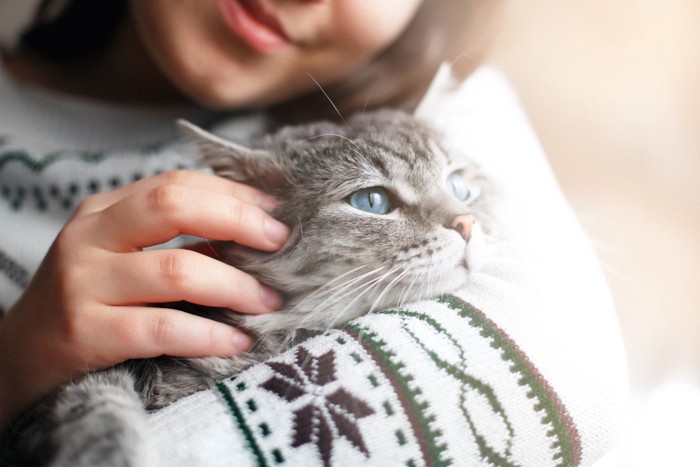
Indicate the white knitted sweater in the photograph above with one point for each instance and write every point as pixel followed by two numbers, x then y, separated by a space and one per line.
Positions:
pixel 525 367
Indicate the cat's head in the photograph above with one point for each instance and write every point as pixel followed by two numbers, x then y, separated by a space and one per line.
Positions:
pixel 381 213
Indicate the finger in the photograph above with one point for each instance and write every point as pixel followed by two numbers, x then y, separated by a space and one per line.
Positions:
pixel 191 178
pixel 145 332
pixel 159 276
pixel 156 216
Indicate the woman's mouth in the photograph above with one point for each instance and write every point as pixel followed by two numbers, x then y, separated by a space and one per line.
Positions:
pixel 248 20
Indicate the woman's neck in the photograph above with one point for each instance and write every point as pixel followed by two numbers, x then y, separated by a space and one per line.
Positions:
pixel 124 72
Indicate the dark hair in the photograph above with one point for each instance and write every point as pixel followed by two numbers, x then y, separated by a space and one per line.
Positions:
pixel 72 30
pixel 457 31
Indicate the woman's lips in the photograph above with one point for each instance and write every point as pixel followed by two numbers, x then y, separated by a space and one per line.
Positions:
pixel 250 22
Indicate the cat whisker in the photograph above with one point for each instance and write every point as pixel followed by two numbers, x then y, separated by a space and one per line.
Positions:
pixel 404 292
pixel 377 300
pixel 215 254
pixel 408 296
pixel 386 290
pixel 379 280
pixel 317 294
pixel 338 136
pixel 368 286
pixel 433 280
pixel 339 317
pixel 301 68
pixel 369 94
pixel 341 292
pixel 337 278
pixel 329 289
pixel 327 97
pixel 422 286
pixel 430 280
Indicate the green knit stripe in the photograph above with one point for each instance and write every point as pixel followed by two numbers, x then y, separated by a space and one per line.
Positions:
pixel 433 449
pixel 466 381
pixel 565 436
pixel 39 165
pixel 242 425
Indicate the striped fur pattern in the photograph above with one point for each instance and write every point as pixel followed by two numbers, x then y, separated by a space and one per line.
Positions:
pixel 340 263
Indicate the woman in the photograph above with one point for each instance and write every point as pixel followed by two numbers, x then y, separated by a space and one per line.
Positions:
pixel 83 309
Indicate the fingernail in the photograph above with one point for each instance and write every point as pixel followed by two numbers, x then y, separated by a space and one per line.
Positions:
pixel 267 202
pixel 276 231
pixel 242 342
pixel 270 297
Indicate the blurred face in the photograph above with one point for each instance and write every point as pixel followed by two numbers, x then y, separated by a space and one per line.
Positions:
pixel 251 53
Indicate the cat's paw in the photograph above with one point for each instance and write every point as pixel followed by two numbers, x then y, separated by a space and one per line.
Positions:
pixel 100 420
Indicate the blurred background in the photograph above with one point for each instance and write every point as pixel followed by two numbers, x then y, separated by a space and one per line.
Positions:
pixel 612 88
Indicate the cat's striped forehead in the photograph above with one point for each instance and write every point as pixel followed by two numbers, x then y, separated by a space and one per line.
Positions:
pixel 409 164
pixel 412 151
pixel 388 149
pixel 415 181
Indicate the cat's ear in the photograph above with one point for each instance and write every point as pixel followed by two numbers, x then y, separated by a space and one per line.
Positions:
pixel 442 85
pixel 255 167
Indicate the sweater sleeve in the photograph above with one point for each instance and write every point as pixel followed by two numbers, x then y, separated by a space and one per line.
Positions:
pixel 525 366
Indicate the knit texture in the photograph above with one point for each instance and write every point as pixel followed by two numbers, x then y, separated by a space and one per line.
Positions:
pixel 400 387
pixel 523 367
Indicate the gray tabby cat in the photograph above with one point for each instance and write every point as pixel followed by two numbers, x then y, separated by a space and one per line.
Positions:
pixel 381 214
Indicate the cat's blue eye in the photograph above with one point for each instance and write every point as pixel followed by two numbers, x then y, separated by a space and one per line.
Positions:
pixel 457 187
pixel 374 200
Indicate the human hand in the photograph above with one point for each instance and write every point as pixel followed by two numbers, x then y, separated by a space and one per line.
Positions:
pixel 86 307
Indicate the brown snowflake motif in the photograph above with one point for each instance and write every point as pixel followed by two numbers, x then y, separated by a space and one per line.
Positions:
pixel 326 414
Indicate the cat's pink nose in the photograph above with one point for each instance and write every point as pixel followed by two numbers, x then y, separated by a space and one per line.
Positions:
pixel 463 225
